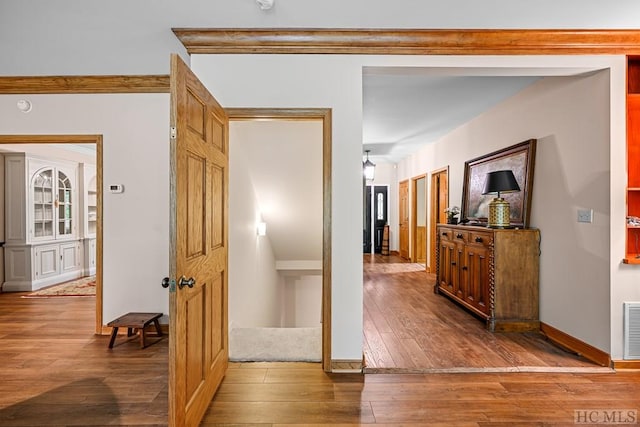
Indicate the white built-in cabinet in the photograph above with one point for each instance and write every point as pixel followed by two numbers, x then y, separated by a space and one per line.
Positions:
pixel 48 221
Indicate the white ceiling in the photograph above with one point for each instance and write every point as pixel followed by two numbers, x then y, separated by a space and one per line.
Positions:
pixel 407 107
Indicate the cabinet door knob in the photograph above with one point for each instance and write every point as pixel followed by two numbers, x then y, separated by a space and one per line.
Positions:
pixel 459 236
pixel 465 267
pixel 444 233
pixel 453 263
pixel 478 239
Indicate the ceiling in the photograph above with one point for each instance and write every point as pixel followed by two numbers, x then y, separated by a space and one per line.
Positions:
pixel 407 107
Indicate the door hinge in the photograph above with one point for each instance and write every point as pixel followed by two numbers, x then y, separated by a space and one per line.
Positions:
pixel 173 132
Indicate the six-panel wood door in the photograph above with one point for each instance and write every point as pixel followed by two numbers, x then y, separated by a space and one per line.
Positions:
pixel 198 350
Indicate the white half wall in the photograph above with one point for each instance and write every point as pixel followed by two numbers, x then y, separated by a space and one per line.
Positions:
pixel 302 301
pixel 136 154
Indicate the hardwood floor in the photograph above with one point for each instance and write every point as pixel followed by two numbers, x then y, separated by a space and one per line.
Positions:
pixel 409 328
pixel 55 372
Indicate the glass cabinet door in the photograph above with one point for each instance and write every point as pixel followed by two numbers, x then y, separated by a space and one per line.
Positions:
pixel 64 202
pixel 43 204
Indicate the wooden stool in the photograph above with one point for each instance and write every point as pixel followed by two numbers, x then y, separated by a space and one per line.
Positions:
pixel 133 322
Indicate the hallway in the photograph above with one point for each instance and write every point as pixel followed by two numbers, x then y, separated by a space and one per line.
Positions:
pixel 409 328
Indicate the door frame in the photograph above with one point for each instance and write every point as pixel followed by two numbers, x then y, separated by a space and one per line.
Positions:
pixel 413 220
pixel 309 114
pixel 77 139
pixel 436 211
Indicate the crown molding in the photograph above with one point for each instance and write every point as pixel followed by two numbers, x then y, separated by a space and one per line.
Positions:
pixel 84 84
pixel 407 41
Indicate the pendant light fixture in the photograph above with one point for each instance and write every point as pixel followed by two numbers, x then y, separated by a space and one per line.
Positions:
pixel 368 168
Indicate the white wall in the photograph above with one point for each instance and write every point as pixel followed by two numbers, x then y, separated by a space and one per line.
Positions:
pixel 570 118
pixel 303 301
pixel 136 154
pixel 255 287
pixel 125 37
pixel 335 81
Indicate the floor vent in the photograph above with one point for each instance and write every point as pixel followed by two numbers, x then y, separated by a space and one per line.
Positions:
pixel 632 330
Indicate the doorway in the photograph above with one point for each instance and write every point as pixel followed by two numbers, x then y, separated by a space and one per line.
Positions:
pixel 89 232
pixel 322 116
pixel 403 218
pixel 376 217
pixel 419 219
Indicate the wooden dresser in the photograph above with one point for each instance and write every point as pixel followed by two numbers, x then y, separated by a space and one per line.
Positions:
pixel 491 272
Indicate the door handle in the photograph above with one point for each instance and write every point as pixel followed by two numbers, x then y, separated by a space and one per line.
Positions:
pixel 169 283
pixel 186 282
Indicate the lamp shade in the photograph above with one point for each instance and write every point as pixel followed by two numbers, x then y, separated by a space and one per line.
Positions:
pixel 502 181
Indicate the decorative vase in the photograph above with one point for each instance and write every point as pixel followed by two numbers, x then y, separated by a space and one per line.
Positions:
pixel 452 220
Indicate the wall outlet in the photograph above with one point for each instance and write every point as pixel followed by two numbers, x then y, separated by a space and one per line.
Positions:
pixel 585 215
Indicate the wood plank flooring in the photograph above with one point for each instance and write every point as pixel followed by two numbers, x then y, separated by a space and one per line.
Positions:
pixel 408 328
pixel 55 372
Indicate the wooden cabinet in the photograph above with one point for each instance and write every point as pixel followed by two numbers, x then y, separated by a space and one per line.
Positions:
pixel 632 254
pixel 491 272
pixel 42 222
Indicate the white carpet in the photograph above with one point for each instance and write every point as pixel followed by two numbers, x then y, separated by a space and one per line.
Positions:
pixel 275 345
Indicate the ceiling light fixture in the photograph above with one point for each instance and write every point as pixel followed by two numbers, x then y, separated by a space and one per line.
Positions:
pixel 24 105
pixel 265 4
pixel 368 168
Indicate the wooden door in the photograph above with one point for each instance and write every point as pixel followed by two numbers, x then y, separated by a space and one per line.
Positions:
pixel 439 201
pixel 198 351
pixel 403 191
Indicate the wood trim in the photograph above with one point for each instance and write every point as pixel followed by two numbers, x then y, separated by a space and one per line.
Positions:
pixel 83 84
pixel 347 366
pixel 408 41
pixel 580 347
pixel 323 114
pixel 626 364
pixel 77 139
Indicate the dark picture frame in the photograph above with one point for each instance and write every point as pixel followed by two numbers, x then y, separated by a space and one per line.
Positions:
pixel 520 158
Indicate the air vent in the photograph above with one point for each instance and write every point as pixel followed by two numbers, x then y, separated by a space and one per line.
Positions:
pixel 632 330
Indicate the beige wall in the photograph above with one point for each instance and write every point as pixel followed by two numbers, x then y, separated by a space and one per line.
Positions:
pixel 569 116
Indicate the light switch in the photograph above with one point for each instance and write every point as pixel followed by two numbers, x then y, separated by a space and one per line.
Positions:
pixel 585 215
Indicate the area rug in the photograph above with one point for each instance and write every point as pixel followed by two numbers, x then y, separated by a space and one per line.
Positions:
pixel 275 345
pixel 83 287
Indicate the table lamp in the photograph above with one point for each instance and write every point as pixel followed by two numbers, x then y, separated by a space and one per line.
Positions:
pixel 497 182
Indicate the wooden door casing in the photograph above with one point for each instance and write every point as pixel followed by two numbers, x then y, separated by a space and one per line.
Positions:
pixel 198 350
pixel 403 191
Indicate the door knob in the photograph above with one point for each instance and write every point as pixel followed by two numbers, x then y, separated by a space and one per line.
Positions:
pixel 166 282
pixel 186 282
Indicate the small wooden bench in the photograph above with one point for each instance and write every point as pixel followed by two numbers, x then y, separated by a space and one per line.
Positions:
pixel 135 322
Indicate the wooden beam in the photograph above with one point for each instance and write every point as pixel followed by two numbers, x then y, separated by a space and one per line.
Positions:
pixel 408 41
pixel 83 84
